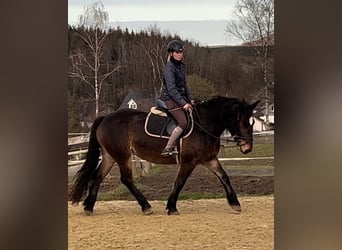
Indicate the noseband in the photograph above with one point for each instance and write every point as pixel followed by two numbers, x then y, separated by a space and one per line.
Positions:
pixel 239 138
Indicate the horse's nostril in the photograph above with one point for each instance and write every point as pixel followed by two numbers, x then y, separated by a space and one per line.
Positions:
pixel 246 151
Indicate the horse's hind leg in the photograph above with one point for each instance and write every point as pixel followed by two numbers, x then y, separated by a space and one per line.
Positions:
pixel 215 167
pixel 127 180
pixel 105 166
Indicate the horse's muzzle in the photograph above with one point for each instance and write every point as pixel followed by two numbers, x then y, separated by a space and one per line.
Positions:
pixel 246 146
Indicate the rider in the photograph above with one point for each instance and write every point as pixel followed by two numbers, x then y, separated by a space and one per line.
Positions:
pixel 175 92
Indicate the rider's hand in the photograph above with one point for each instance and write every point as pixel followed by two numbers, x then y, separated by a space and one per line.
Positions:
pixel 187 107
pixel 192 102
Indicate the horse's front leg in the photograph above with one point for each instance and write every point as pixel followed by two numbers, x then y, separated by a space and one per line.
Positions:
pixel 215 167
pixel 184 172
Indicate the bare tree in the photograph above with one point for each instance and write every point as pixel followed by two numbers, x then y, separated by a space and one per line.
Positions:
pixel 88 62
pixel 253 23
pixel 154 48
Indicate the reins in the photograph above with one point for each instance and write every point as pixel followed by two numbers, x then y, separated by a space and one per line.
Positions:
pixel 201 127
pixel 235 138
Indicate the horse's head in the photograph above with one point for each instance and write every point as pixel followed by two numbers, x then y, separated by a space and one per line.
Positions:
pixel 231 114
pixel 243 131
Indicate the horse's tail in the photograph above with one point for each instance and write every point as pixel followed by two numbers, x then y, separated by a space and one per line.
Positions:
pixel 86 174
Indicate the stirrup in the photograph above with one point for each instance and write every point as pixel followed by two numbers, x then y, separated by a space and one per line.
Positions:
pixel 169 151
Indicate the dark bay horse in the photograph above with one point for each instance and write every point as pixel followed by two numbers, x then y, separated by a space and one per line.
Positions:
pixel 120 134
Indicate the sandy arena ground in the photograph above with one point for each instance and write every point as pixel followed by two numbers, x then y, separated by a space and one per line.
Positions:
pixel 202 224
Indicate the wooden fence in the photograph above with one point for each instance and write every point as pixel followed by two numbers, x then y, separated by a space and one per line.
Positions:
pixel 77 157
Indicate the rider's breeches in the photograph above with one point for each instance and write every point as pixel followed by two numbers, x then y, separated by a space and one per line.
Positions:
pixel 177 112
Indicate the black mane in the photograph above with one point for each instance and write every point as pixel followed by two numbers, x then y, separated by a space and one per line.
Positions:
pixel 218 101
pixel 220 106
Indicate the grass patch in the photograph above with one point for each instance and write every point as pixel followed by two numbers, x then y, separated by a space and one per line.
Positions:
pixel 155 169
pixel 259 150
pixel 198 196
pixel 244 166
pixel 118 193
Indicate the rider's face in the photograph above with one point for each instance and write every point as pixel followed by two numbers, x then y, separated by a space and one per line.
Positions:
pixel 177 55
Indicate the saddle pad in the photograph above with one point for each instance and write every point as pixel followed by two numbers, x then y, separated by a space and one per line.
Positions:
pixel 162 126
pixel 159 126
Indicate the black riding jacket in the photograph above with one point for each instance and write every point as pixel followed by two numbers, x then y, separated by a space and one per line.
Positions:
pixel 174 83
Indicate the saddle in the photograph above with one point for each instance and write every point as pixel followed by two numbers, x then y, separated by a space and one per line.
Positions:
pixel 160 123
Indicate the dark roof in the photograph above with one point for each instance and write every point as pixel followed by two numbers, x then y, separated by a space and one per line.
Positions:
pixel 143 99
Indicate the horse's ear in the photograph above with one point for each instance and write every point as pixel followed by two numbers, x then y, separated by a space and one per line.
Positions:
pixel 253 105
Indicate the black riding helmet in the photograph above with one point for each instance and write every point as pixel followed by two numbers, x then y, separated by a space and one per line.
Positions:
pixel 175 45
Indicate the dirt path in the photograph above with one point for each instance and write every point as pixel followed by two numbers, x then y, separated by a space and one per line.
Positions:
pixel 203 224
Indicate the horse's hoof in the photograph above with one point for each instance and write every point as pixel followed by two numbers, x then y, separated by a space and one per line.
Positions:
pixel 88 212
pixel 148 211
pixel 172 212
pixel 236 208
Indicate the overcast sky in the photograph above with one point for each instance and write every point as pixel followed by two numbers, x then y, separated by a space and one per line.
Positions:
pixel 159 10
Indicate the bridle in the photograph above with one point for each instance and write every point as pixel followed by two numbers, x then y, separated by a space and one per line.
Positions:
pixel 246 139
pixel 235 138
